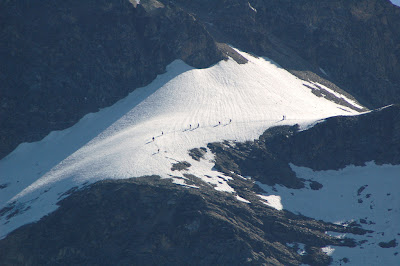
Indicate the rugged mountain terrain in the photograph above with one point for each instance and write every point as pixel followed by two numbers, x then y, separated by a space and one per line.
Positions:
pixel 197 151
pixel 149 221
pixel 354 44
pixel 66 59
pixel 332 144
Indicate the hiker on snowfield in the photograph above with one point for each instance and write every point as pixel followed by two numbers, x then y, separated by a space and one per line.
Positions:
pixel 219 123
pixel 153 138
pixel 190 126
pixel 198 124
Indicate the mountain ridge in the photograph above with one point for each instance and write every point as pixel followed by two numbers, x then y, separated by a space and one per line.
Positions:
pixel 59 32
pixel 176 147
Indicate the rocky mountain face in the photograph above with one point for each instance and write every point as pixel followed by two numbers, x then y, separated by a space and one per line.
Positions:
pixel 150 221
pixel 330 145
pixel 353 44
pixel 64 59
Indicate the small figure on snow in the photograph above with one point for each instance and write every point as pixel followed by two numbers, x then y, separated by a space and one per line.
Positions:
pixel 219 123
pixel 198 125
pixel 153 138
pixel 162 132
pixel 190 126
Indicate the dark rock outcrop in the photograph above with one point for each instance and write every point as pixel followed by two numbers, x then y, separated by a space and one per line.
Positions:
pixel 64 59
pixel 329 145
pixel 391 244
pixel 343 140
pixel 150 221
pixel 197 154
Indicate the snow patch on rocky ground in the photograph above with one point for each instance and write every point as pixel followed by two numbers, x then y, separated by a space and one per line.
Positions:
pixel 367 195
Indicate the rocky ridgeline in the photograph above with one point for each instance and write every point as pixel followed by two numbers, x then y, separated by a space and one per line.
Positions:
pixel 352 44
pixel 329 145
pixel 64 59
pixel 150 221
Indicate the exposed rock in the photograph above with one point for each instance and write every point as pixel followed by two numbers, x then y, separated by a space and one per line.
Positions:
pixel 329 145
pixel 197 154
pixel 150 221
pixel 391 244
pixel 180 166
pixel 64 59
pixel 350 44
pixel 341 141
pixel 314 185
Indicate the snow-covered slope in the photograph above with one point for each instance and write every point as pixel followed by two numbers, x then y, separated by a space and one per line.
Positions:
pixel 182 109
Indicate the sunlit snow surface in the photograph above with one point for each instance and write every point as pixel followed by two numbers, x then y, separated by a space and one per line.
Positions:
pixel 182 109
pixel 367 195
pixel 395 2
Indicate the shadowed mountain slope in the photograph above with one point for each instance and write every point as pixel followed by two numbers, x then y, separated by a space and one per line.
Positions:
pixel 353 44
pixel 64 59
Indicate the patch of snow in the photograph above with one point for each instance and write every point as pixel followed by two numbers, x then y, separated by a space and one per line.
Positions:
pixel 395 2
pixel 242 199
pixel 301 249
pixel 308 126
pixel 181 109
pixel 134 2
pixel 273 201
pixel 182 182
pixel 328 250
pixel 367 195
pixel 338 95
pixel 336 235
pixel 252 8
pixel 291 245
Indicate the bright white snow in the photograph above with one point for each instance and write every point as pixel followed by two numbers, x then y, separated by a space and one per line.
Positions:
pixel 316 85
pixel 252 8
pixel 367 195
pixel 242 199
pixel 182 109
pixel 328 250
pixel 273 201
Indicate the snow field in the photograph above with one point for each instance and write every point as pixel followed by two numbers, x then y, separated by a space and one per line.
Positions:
pixel 182 109
pixel 367 195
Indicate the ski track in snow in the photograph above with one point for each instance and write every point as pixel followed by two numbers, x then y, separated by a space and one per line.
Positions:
pixel 116 142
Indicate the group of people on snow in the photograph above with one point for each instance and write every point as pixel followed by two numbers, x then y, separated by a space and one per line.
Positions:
pixel 190 127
